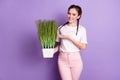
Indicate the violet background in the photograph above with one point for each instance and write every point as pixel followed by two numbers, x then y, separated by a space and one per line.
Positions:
pixel 20 54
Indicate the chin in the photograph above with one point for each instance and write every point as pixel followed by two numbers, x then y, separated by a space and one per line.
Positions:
pixel 70 21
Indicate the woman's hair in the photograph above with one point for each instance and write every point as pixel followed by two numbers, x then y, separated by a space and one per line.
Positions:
pixel 79 10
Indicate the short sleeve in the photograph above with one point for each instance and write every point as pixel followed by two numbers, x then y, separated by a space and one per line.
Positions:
pixel 84 36
pixel 57 38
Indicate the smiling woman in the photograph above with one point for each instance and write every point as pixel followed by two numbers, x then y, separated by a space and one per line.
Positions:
pixel 72 38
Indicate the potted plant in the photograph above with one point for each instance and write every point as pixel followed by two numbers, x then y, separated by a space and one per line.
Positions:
pixel 47 36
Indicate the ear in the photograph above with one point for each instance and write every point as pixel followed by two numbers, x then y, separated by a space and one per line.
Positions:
pixel 79 17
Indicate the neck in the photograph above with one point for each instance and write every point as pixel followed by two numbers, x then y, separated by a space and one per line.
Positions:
pixel 72 24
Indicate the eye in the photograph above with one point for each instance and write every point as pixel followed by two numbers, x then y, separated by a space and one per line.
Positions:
pixel 73 14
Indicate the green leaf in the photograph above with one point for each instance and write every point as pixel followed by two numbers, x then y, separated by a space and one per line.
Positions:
pixel 47 33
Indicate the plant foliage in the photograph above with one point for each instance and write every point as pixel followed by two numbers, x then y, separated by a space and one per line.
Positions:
pixel 47 33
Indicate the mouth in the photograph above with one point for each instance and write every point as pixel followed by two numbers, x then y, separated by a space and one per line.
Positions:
pixel 70 20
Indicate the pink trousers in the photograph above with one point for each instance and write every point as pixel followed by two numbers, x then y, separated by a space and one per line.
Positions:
pixel 70 65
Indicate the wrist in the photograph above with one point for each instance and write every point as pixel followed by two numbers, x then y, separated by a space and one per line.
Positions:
pixel 70 38
pixel 55 49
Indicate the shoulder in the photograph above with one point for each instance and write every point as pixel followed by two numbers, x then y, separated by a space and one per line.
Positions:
pixel 82 28
pixel 59 27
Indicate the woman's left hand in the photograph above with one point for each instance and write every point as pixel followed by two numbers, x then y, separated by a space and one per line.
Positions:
pixel 77 43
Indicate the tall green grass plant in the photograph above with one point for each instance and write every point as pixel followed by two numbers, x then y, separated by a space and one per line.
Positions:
pixel 47 33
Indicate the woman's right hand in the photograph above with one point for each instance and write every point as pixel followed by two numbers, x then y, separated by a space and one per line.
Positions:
pixel 56 49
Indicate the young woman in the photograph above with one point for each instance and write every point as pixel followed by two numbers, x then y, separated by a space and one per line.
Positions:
pixel 72 38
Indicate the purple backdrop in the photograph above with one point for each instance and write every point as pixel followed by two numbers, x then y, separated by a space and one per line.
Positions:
pixel 20 54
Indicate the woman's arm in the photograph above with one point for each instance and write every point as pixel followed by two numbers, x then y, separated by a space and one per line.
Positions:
pixel 57 45
pixel 75 42
pixel 56 49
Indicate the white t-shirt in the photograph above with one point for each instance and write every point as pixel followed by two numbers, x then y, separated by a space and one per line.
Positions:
pixel 67 45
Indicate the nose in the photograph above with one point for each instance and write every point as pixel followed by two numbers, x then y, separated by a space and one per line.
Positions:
pixel 70 16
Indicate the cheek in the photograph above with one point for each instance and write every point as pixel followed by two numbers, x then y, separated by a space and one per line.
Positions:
pixel 76 17
pixel 69 16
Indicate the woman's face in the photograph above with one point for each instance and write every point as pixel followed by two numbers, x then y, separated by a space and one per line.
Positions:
pixel 73 15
